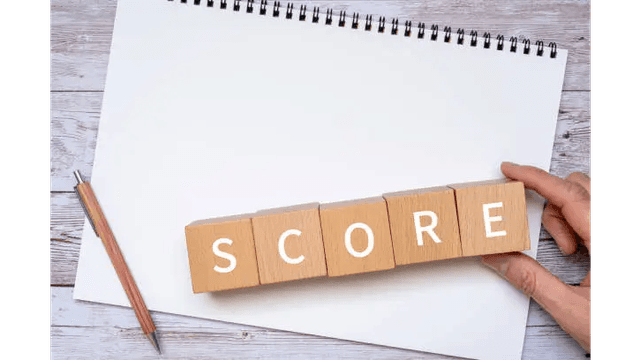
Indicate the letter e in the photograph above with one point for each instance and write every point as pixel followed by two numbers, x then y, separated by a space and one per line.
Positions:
pixel 489 219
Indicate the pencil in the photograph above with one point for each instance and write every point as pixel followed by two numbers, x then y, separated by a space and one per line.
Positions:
pixel 103 231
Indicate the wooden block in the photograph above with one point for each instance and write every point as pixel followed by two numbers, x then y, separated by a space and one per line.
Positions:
pixel 424 225
pixel 492 217
pixel 356 236
pixel 221 254
pixel 289 244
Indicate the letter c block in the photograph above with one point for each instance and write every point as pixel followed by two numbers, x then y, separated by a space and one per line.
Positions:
pixel 492 216
pixel 221 254
pixel 356 236
pixel 289 244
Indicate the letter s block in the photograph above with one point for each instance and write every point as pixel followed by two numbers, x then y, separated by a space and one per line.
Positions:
pixel 492 217
pixel 221 254
pixel 289 244
pixel 424 225
pixel 356 236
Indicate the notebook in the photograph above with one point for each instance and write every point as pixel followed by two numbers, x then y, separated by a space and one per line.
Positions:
pixel 212 111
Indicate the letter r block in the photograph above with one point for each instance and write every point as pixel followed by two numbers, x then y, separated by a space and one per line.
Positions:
pixel 424 225
pixel 492 217
pixel 289 244
pixel 221 254
pixel 356 236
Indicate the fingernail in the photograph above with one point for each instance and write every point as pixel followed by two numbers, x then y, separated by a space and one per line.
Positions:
pixel 497 263
pixel 510 163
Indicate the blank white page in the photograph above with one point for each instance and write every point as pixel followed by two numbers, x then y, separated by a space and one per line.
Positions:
pixel 210 112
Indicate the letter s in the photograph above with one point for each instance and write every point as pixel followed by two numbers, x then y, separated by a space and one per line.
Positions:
pixel 224 255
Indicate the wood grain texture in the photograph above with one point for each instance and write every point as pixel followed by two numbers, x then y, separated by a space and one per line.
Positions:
pixel 492 217
pixel 305 250
pixel 81 330
pixel 183 340
pixel 222 255
pixel 74 130
pixel 356 236
pixel 115 255
pixel 408 248
pixel 80 40
pixel 67 220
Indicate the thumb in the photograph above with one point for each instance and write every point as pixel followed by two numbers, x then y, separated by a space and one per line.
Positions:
pixel 528 276
pixel 571 308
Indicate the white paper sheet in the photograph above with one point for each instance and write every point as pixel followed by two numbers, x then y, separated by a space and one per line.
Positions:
pixel 210 112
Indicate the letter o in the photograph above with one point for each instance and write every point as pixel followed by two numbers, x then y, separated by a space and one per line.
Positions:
pixel 347 240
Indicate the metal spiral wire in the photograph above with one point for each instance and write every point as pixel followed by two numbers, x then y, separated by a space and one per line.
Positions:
pixel 368 25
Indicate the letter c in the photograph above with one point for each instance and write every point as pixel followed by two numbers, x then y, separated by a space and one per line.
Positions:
pixel 283 254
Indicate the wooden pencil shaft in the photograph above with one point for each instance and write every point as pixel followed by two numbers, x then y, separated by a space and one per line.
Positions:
pixel 113 250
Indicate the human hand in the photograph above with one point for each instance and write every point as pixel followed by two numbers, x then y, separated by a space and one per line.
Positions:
pixel 567 217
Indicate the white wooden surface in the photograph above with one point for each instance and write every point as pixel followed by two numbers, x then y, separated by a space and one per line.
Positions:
pixel 80 40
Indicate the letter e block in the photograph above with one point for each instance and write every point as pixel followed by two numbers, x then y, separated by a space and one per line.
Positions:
pixel 424 225
pixel 356 236
pixel 289 244
pixel 492 217
pixel 221 254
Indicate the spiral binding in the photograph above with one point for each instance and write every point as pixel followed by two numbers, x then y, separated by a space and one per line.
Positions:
pixel 368 25
pixel 341 18
pixel 394 26
pixel 460 36
pixel 500 39
pixel 421 30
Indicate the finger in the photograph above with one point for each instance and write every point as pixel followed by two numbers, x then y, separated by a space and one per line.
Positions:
pixel 571 198
pixel 557 226
pixel 553 188
pixel 569 308
pixel 580 178
pixel 528 276
pixel 587 280
pixel 584 181
pixel 578 316
pixel 583 291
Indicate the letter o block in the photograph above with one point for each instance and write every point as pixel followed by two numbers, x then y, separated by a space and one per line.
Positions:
pixel 356 236
pixel 221 254
pixel 289 244
pixel 492 217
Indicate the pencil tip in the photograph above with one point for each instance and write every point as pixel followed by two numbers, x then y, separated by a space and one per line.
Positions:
pixel 154 340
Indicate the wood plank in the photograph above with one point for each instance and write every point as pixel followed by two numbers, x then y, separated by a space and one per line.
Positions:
pixel 74 129
pixel 82 330
pixel 69 312
pixel 81 31
pixel 75 117
pixel 115 343
pixel 550 342
pixel 67 220
pixel 80 40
